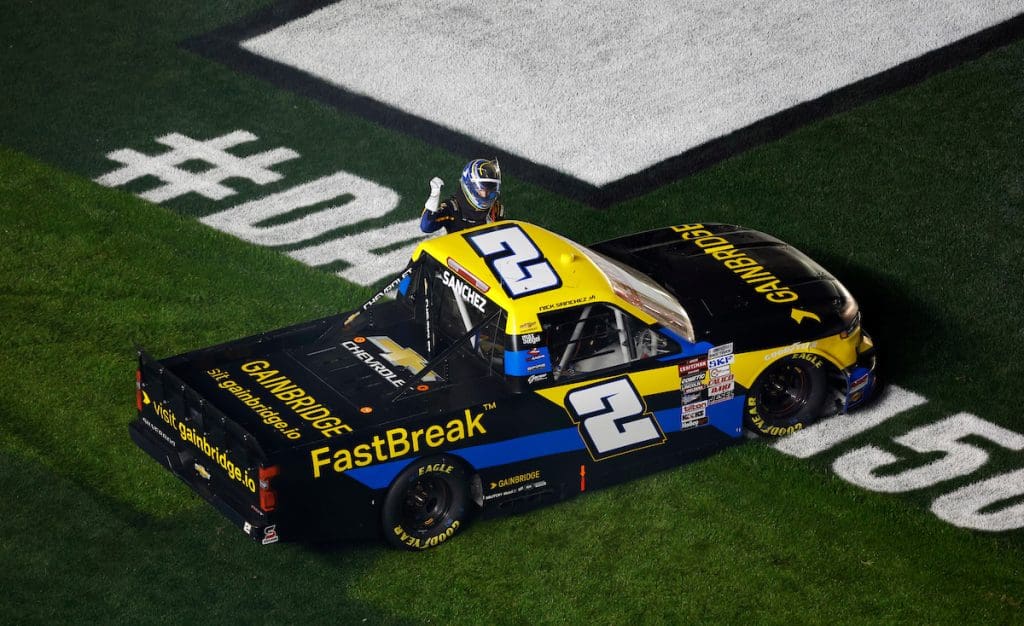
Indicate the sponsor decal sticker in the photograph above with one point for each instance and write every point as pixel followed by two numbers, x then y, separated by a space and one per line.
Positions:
pixel 302 404
pixel 721 350
pixel 514 485
pixel 515 480
pixel 720 397
pixel 270 535
pixel 529 340
pixel 720 362
pixel 464 291
pixel 748 269
pixel 159 432
pixel 693 364
pixel 396 443
pixel 221 457
pixel 400 356
pixel 566 303
pixel 694 414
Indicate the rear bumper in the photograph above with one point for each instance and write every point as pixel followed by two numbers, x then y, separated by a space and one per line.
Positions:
pixel 153 441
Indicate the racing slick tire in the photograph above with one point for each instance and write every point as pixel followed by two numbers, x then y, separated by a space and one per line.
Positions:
pixel 787 396
pixel 427 503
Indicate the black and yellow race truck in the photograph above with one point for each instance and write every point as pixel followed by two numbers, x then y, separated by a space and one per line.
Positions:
pixel 510 369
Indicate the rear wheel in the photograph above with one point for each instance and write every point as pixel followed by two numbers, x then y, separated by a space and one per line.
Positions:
pixel 787 396
pixel 427 504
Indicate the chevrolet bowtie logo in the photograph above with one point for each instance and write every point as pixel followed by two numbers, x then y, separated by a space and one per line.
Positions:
pixel 403 357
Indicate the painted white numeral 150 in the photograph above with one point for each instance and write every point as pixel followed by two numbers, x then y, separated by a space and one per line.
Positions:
pixel 985 505
pixel 860 466
pixel 612 418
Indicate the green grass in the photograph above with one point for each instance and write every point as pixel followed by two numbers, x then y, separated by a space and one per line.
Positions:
pixel 914 200
pixel 100 531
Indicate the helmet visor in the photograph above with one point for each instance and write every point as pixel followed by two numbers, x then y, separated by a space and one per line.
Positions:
pixel 481 183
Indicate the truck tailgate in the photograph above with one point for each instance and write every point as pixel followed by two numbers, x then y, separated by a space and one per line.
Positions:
pixel 213 454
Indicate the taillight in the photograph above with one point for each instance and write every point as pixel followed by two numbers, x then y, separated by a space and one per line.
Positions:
pixel 268 497
pixel 138 389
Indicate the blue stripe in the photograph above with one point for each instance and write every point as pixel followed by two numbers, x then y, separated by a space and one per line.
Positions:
pixel 726 416
pixel 522 448
pixel 481 457
pixel 522 363
pixel 688 349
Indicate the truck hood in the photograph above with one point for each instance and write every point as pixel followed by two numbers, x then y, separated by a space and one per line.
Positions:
pixel 738 284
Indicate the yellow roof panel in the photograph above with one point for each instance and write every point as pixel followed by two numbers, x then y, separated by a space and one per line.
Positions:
pixel 580 279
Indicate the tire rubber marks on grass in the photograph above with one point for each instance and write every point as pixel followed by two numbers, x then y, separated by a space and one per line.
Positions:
pixel 980 505
pixel 370 255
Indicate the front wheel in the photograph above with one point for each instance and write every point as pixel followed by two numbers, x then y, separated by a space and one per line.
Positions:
pixel 427 504
pixel 787 396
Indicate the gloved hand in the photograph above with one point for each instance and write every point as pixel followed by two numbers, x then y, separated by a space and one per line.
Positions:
pixel 435 194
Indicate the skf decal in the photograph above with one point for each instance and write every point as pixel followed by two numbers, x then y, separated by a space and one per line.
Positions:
pixel 738 262
pixel 796 347
pixel 396 443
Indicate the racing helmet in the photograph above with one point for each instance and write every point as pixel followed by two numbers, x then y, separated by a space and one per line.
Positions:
pixel 481 183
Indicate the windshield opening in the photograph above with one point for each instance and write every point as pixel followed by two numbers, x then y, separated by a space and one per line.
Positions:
pixel 639 290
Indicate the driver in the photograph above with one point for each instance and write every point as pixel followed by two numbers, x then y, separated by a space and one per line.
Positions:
pixel 478 203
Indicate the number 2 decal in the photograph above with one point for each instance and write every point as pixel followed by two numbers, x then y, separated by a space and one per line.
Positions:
pixel 612 418
pixel 515 260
